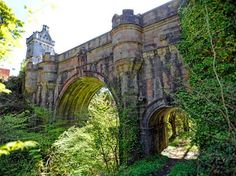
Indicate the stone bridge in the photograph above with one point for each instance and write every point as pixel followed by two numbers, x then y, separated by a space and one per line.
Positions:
pixel 137 61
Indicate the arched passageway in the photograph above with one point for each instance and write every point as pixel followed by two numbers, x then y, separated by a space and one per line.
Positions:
pixel 167 123
pixel 162 127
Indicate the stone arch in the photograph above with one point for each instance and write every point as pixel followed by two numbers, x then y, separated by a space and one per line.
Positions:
pixel 77 92
pixel 154 134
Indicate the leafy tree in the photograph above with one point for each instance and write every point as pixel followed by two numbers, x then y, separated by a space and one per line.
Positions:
pixel 208 47
pixel 104 124
pixel 10 29
pixel 91 149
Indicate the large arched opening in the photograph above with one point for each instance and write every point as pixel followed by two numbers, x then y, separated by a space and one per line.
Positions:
pixel 90 111
pixel 76 94
pixel 76 97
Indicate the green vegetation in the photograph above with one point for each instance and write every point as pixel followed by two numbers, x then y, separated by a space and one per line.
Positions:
pixel 10 32
pixel 88 150
pixel 16 145
pixel 128 140
pixel 184 168
pixel 208 46
pixel 13 102
pixel 4 89
pixel 26 126
pixel 184 138
pixel 21 126
pixel 91 149
pixel 10 29
pixel 144 167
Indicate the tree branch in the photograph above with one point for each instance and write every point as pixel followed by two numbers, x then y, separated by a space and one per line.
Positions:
pixel 230 125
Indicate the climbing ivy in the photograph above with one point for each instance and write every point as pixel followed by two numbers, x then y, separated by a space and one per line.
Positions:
pixel 129 131
pixel 208 46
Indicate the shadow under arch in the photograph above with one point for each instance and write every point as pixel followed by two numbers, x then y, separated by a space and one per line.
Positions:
pixel 77 93
pixel 154 127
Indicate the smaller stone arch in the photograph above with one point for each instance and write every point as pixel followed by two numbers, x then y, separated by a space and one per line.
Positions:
pixel 154 127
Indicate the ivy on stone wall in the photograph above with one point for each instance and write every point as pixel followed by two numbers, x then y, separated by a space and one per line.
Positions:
pixel 129 145
pixel 208 46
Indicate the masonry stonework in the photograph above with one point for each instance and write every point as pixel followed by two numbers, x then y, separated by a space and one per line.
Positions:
pixel 138 59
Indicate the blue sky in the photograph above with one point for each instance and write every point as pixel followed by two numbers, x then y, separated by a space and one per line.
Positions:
pixel 71 22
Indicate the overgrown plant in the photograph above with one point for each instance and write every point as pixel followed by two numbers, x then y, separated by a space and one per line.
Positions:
pixel 3 89
pixel 21 126
pixel 91 149
pixel 129 130
pixel 147 166
pixel 14 101
pixel 208 47
pixel 16 145
pixel 183 168
pixel 10 29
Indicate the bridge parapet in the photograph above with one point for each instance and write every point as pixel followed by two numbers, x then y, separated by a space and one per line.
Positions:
pixel 160 13
pixel 90 45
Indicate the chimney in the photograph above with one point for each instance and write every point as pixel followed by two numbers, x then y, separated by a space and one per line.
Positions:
pixel 45 28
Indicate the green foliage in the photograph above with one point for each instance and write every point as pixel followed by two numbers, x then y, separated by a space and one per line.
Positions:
pixel 129 130
pixel 103 126
pixel 10 123
pixel 14 127
pixel 219 156
pixel 144 167
pixel 16 145
pixel 4 89
pixel 72 154
pixel 91 149
pixel 13 102
pixel 183 139
pixel 208 47
pixel 10 29
pixel 184 168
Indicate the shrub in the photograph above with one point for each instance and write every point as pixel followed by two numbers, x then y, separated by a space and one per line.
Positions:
pixel 144 167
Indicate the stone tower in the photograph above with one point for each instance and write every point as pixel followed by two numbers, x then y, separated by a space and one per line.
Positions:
pixel 38 44
pixel 41 69
pixel 126 39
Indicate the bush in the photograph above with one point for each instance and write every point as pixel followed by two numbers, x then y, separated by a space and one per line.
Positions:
pixel 19 126
pixel 144 167
pixel 184 168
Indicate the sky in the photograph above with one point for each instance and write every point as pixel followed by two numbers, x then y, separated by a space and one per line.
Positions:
pixel 70 22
